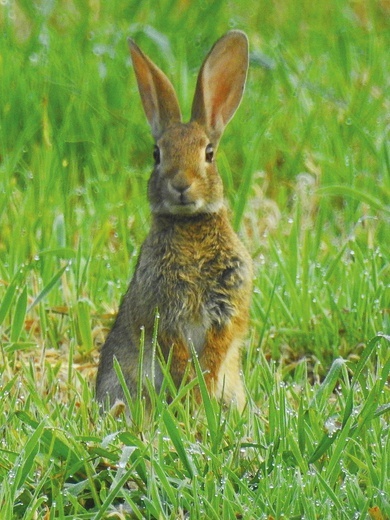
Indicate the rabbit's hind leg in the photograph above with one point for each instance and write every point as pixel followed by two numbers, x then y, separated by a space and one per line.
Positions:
pixel 177 350
pixel 221 360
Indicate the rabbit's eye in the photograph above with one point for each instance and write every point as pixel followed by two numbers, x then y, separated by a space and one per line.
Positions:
pixel 209 153
pixel 156 155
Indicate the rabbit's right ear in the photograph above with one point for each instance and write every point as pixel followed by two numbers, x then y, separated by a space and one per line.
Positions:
pixel 220 85
pixel 157 93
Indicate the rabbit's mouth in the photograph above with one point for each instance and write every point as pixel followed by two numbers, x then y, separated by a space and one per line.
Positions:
pixel 184 207
pixel 177 207
pixel 194 207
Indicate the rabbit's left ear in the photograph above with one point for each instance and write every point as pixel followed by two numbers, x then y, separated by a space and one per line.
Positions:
pixel 157 93
pixel 221 83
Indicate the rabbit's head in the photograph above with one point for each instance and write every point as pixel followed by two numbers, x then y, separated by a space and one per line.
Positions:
pixel 185 180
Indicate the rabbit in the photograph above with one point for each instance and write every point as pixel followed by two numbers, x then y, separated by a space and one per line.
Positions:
pixel 192 268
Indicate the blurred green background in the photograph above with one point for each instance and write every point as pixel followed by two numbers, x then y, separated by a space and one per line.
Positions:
pixel 305 161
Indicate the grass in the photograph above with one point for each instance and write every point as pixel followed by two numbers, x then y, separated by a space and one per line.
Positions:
pixel 306 168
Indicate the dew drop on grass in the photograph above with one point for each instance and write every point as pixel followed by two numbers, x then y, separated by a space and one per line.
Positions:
pixel 34 58
pixel 80 191
pixel 44 38
pixel 102 70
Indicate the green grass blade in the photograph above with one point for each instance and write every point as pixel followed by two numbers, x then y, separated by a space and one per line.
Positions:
pixel 323 446
pixel 27 457
pixel 332 496
pixel 128 398
pixel 328 385
pixel 334 466
pixel 7 299
pixel 54 442
pixel 19 316
pixel 364 358
pixel 301 427
pixel 348 191
pixel 174 434
pixel 46 290
pixel 84 325
pixel 207 403
pixel 114 492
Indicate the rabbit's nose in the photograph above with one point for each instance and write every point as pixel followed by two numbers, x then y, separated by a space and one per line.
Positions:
pixel 180 191
pixel 181 187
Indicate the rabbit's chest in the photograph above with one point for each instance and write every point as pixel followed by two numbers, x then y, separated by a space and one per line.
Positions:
pixel 204 291
pixel 197 278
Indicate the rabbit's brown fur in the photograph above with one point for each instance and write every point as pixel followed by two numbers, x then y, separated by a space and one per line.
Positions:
pixel 192 268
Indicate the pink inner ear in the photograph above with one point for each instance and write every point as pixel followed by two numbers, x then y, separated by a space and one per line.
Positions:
pixel 144 79
pixel 220 99
pixel 140 67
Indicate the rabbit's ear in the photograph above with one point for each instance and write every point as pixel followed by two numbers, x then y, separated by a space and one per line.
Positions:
pixel 221 82
pixel 157 93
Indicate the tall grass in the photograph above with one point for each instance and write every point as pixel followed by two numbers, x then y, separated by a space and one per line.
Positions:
pixel 306 168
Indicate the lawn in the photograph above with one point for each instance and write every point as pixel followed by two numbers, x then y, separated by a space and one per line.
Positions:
pixel 306 169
